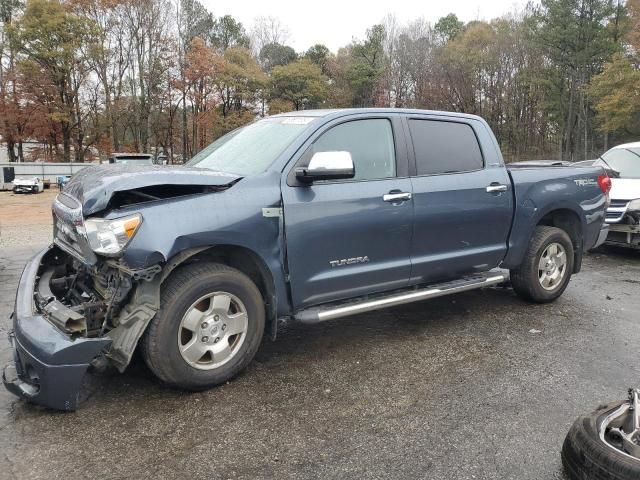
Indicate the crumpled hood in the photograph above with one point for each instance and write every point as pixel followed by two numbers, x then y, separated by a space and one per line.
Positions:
pixel 625 188
pixel 94 186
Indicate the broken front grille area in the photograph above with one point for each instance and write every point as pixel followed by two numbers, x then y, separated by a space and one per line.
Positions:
pixel 78 299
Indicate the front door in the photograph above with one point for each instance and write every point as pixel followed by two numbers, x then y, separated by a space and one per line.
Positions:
pixel 350 238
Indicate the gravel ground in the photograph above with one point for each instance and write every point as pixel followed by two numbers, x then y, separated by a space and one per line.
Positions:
pixel 455 388
pixel 25 218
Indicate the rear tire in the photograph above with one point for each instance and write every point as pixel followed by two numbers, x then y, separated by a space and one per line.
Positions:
pixel 544 285
pixel 196 289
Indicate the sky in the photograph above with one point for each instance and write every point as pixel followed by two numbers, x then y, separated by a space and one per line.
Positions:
pixel 336 22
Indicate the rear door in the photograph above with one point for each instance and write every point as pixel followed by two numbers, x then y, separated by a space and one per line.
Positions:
pixel 462 198
pixel 349 238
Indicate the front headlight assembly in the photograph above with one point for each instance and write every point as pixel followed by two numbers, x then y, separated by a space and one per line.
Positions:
pixel 634 205
pixel 110 237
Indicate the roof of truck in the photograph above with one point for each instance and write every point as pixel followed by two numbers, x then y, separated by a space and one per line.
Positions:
pixel 351 111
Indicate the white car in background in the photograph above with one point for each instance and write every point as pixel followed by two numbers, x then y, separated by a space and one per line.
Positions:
pixel 623 214
pixel 28 185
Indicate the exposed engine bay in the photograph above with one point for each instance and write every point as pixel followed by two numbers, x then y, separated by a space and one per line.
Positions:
pixel 77 300
pixel 97 301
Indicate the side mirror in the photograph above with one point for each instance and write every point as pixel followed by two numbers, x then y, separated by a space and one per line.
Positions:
pixel 327 166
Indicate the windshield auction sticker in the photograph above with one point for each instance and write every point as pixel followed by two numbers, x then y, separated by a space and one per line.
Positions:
pixel 296 120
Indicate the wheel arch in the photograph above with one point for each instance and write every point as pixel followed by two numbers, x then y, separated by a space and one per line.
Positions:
pixel 241 258
pixel 570 222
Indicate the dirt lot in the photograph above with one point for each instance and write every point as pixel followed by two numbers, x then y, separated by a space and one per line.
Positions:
pixel 25 218
pixel 455 388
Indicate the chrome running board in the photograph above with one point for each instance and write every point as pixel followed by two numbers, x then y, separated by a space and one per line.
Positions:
pixel 400 297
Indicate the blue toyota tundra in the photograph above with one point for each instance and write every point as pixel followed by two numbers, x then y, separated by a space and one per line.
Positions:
pixel 305 216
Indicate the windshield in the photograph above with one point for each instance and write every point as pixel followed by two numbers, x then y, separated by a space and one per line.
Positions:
pixel 250 150
pixel 626 161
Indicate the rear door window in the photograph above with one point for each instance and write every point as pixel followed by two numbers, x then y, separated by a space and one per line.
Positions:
pixel 444 147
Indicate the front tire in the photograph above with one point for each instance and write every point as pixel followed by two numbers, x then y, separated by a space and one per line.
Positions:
pixel 208 328
pixel 547 266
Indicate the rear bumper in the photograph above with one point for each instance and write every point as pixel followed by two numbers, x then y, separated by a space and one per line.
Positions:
pixel 48 365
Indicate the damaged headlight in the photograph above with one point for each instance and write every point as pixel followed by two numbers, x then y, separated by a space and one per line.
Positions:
pixel 634 205
pixel 109 237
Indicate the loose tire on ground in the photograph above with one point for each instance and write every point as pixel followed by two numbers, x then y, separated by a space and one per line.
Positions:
pixel 160 344
pixel 525 279
pixel 585 456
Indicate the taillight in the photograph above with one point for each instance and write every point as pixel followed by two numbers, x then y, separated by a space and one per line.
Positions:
pixel 604 182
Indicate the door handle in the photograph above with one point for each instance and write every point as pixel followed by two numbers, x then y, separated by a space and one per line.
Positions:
pixel 496 188
pixel 396 196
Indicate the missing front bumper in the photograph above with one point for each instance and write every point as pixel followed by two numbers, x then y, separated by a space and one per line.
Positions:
pixel 53 386
pixel 48 365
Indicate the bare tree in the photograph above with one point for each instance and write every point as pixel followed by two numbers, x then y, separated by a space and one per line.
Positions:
pixel 265 31
pixel 147 23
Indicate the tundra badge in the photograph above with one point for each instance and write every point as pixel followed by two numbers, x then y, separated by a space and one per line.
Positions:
pixel 348 261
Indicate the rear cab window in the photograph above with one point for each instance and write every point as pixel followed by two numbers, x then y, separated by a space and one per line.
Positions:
pixel 444 147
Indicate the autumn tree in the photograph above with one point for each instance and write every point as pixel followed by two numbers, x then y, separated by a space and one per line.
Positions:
pixel 11 111
pixel 194 21
pixel 632 38
pixel 203 65
pixel 52 37
pixel 557 79
pixel 240 80
pixel 338 68
pixel 616 92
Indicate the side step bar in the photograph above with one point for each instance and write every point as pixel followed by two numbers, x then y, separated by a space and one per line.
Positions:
pixel 370 303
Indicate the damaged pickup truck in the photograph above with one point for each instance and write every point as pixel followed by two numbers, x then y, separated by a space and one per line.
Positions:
pixel 308 216
pixel 623 214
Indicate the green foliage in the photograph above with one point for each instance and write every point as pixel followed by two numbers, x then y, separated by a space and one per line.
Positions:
pixel 616 93
pixel 300 82
pixel 448 27
pixel 575 38
pixel 51 36
pixel 229 33
pixel 573 33
pixel 368 65
pixel 241 77
pixel 195 21
pixel 319 54
pixel 274 54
